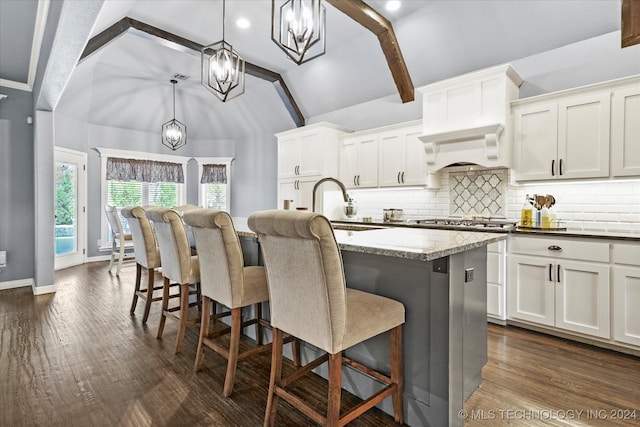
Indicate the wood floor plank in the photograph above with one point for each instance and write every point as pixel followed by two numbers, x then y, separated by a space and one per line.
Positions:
pixel 78 358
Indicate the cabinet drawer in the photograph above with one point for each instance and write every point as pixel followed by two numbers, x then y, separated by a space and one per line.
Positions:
pixel 626 253
pixel 580 249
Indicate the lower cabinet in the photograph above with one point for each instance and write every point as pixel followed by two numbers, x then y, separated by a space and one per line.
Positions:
pixel 496 275
pixel 626 293
pixel 550 284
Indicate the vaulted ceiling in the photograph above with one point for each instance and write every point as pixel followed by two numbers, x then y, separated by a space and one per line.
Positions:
pixel 126 83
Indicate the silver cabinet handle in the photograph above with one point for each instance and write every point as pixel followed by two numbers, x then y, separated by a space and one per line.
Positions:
pixel 554 248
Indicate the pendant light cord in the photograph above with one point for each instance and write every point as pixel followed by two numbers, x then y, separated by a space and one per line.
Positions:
pixel 174 99
pixel 223 15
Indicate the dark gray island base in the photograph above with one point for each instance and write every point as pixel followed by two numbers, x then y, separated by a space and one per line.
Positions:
pixel 445 334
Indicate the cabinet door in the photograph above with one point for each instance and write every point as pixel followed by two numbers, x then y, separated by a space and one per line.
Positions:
pixel 495 293
pixel 626 305
pixel 391 156
pixel 414 158
pixel 368 161
pixel 287 190
pixel 582 297
pixel 305 192
pixel 310 155
pixel 530 290
pixel 536 141
pixel 288 157
pixel 349 162
pixel 625 131
pixel 583 136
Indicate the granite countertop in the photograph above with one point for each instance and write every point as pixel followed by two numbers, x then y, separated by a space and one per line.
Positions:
pixel 409 243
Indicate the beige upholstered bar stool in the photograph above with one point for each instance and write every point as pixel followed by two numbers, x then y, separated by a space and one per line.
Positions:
pixel 147 257
pixel 309 300
pixel 118 237
pixel 225 279
pixel 178 266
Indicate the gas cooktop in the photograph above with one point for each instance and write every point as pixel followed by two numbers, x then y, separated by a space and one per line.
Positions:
pixel 466 223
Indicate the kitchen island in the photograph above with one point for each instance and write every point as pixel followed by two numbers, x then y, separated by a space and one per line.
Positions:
pixel 440 277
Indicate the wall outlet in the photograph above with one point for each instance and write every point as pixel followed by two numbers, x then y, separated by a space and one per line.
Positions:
pixel 3 258
pixel 468 275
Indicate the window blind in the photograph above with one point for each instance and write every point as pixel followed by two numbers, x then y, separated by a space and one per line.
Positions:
pixel 152 171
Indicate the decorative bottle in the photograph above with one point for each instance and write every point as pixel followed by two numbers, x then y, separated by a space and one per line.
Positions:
pixel 526 213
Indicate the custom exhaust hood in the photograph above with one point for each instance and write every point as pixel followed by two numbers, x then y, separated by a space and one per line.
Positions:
pixel 466 119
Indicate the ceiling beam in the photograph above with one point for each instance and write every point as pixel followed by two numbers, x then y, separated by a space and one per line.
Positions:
pixel 630 22
pixel 369 18
pixel 176 42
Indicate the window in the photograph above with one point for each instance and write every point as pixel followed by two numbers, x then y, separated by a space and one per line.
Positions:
pixel 120 191
pixel 215 183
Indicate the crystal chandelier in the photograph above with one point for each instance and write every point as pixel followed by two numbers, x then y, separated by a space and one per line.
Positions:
pixel 222 68
pixel 298 29
pixel 174 133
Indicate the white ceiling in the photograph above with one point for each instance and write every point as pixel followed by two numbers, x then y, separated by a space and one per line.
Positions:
pixel 126 83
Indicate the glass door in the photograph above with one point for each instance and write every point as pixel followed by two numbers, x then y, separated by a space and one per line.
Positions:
pixel 69 199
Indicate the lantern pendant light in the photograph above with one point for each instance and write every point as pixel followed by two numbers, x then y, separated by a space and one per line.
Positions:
pixel 222 68
pixel 174 133
pixel 298 28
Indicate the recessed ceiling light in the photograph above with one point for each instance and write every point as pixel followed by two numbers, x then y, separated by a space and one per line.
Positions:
pixel 243 23
pixel 393 5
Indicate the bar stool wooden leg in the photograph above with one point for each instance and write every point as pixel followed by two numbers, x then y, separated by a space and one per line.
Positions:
pixel 275 378
pixel 204 332
pixel 236 326
pixel 184 313
pixel 150 284
pixel 295 350
pixel 335 384
pixel 165 306
pixel 397 373
pixel 137 289
pixel 258 312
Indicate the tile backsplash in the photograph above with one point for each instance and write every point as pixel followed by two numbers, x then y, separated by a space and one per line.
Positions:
pixel 593 205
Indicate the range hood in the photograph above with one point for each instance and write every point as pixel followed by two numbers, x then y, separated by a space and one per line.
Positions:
pixel 466 119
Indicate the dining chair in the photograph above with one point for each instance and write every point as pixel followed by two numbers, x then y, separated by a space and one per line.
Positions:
pixel 178 266
pixel 226 280
pixel 147 256
pixel 309 300
pixel 119 238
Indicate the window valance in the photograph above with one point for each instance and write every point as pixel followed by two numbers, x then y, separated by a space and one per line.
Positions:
pixel 144 170
pixel 214 174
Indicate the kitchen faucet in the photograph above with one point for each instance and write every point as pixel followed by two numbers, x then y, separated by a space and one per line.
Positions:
pixel 317 184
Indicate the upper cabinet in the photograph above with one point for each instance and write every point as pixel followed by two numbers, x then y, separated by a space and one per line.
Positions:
pixel 402 159
pixel 305 155
pixel 359 161
pixel 625 130
pixel 589 132
pixel 562 138
pixel 309 151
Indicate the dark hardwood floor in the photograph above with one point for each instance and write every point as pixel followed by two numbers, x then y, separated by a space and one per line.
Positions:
pixel 77 358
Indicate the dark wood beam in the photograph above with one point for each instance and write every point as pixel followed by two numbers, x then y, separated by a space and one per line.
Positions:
pixel 185 45
pixel 630 22
pixel 369 18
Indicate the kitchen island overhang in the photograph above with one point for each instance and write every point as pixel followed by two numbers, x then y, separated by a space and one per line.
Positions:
pixel 440 277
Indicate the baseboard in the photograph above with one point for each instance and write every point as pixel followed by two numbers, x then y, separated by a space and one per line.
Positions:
pixel 41 290
pixel 11 284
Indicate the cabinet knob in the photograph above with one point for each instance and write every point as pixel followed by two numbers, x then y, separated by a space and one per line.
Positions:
pixel 554 248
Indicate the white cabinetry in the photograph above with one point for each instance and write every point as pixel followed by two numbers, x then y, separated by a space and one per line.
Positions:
pixel 626 293
pixel 359 161
pixel 625 130
pixel 401 160
pixel 562 136
pixel 305 155
pixel 560 283
pixel 496 275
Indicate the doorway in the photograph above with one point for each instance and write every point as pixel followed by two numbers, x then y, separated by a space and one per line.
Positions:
pixel 70 207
